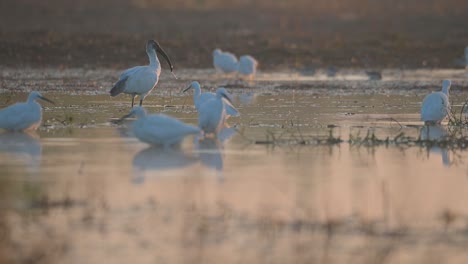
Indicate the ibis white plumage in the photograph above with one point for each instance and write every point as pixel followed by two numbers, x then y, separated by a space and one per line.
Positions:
pixel 436 106
pixel 141 80
pixel 247 66
pixel 159 129
pixel 212 113
pixel 200 98
pixel 224 62
pixel 23 116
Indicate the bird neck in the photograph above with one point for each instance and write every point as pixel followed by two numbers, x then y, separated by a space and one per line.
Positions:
pixel 153 59
pixel 445 90
pixel 196 92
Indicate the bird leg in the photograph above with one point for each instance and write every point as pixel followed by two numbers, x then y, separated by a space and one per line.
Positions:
pixel 141 102
pixel 133 99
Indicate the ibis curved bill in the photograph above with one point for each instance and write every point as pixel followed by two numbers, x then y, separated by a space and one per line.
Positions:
pixel 224 62
pixel 23 116
pixel 436 106
pixel 141 80
pixel 200 98
pixel 159 129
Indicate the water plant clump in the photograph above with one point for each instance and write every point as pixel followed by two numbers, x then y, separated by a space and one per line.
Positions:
pixel 455 140
pixel 459 118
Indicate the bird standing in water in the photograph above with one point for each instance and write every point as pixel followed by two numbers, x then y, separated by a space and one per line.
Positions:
pixel 200 98
pixel 436 106
pixel 159 129
pixel 247 66
pixel 224 62
pixel 140 80
pixel 212 113
pixel 23 116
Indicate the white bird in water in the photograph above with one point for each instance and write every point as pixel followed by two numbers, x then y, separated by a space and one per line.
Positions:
pixel 140 80
pixel 247 66
pixel 224 62
pixel 159 129
pixel 200 98
pixel 436 105
pixel 212 113
pixel 23 116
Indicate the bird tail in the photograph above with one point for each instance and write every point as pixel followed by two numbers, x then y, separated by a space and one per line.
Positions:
pixel 119 87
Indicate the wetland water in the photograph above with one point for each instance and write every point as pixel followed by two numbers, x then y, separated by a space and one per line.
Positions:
pixel 82 190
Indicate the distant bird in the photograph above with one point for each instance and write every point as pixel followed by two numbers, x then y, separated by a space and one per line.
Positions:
pixel 200 98
pixel 436 106
pixel 224 62
pixel 140 80
pixel 159 129
pixel 23 116
pixel 374 75
pixel 247 66
pixel 212 113
pixel 332 71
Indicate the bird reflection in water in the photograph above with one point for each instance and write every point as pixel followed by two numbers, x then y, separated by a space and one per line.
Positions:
pixel 21 149
pixel 158 159
pixel 436 132
pixel 211 150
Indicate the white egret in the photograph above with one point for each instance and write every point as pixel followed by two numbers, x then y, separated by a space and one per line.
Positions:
pixel 224 62
pixel 23 116
pixel 247 66
pixel 200 98
pixel 436 106
pixel 212 113
pixel 159 129
pixel 140 80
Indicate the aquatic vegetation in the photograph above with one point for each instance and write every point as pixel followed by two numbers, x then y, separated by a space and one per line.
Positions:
pixel 459 118
pixel 454 140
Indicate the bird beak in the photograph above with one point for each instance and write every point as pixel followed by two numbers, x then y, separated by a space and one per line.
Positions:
pixel 45 99
pixel 126 116
pixel 228 98
pixel 120 121
pixel 186 89
pixel 163 53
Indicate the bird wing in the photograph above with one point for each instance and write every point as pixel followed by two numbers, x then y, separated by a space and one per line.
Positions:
pixel 434 107
pixel 165 127
pixel 230 109
pixel 18 117
pixel 119 86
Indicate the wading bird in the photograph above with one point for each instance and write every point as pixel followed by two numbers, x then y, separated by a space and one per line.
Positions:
pixel 200 98
pixel 23 116
pixel 224 62
pixel 212 113
pixel 436 106
pixel 140 80
pixel 247 66
pixel 159 129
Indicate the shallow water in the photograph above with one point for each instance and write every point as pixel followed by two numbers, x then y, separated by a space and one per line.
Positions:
pixel 82 189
